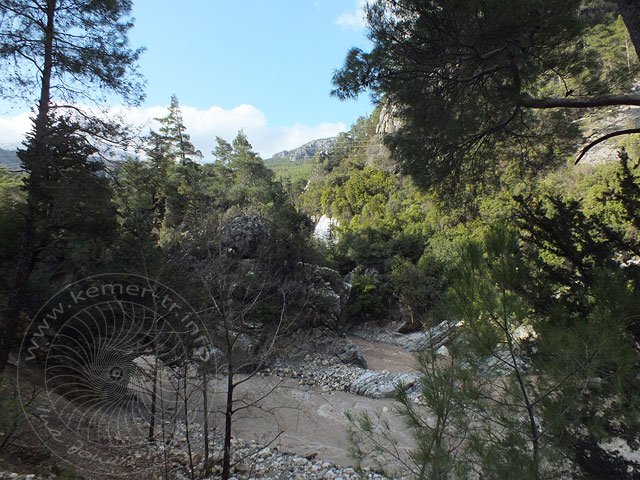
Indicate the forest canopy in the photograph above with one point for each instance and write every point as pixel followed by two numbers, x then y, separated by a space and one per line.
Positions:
pixel 468 77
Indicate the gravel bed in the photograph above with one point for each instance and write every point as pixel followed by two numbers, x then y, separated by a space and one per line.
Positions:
pixel 253 461
pixel 265 463
pixel 21 476
pixel 317 370
pixel 329 375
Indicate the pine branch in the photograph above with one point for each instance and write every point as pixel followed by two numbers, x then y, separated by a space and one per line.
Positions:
pixel 601 139
pixel 528 101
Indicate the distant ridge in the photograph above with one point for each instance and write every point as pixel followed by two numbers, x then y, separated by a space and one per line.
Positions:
pixel 9 159
pixel 305 152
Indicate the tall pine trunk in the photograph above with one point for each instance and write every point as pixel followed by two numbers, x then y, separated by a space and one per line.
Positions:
pixel 34 159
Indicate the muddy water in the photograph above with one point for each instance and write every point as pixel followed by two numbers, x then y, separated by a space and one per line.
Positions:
pixel 385 356
pixel 305 420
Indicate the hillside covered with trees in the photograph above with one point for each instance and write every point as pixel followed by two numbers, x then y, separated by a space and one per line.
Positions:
pixel 464 211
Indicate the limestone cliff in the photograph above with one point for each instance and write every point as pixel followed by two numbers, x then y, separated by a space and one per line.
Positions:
pixel 307 151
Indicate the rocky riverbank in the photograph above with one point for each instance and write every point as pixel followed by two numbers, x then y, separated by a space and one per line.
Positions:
pixel 334 364
pixel 250 462
pixel 435 337
pixel 266 463
pixel 324 366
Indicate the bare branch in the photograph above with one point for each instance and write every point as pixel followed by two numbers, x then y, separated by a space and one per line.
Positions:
pixel 583 152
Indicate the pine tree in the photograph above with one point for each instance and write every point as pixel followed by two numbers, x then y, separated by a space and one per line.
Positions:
pixel 173 134
pixel 466 78
pixel 42 53
pixel 252 183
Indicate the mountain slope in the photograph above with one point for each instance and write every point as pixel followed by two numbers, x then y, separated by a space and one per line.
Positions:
pixel 9 159
pixel 307 151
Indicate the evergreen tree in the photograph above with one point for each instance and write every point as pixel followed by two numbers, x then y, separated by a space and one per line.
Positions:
pixel 252 183
pixel 468 77
pixel 42 53
pixel 172 157
pixel 174 137
pixel 77 218
pixel 520 392
pixel 140 204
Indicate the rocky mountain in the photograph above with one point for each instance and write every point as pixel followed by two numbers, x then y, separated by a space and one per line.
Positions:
pixel 9 159
pixel 307 151
pixel 594 125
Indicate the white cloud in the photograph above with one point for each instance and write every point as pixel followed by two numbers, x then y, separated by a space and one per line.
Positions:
pixel 13 129
pixel 203 126
pixel 355 19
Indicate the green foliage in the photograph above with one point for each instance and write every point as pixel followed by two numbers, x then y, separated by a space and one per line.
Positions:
pixel 540 278
pixel 170 196
pixel 64 52
pixel 173 138
pixel 367 298
pixel 536 299
pixel 370 438
pixel 479 415
pixel 525 388
pixel 571 240
pixel 294 174
pixel 362 197
pixel 98 62
pixel 11 210
pixel 438 452
pixel 608 46
pixel 252 183
pixel 139 199
pixel 485 295
pixel 418 286
pixel 175 172
pixel 579 250
pixel 70 198
pixel 164 202
pixel 383 221
pixel 463 76
pixel 379 214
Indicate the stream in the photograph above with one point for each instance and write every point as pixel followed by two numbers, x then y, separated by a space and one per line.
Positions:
pixel 305 420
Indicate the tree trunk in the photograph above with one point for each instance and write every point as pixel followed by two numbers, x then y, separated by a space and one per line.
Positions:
pixel 531 413
pixel 226 465
pixel 630 11
pixel 154 397
pixel 186 420
pixel 205 422
pixel 27 252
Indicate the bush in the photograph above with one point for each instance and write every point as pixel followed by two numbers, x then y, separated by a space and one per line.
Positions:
pixel 12 412
pixel 366 301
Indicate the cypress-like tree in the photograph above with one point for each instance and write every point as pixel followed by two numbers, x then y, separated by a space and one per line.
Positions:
pixel 173 133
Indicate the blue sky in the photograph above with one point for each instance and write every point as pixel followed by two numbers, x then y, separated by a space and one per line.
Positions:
pixel 261 65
